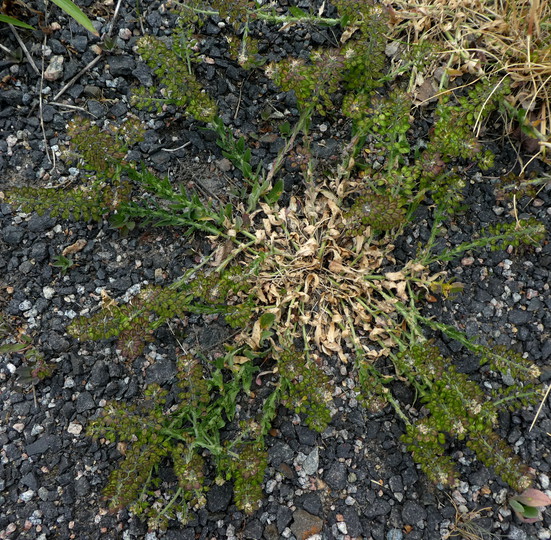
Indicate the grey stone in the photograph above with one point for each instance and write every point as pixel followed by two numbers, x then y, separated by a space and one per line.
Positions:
pixel 413 512
pixel 99 377
pixel 43 444
pixel 519 316
pixel 55 342
pixel 194 138
pixel 118 109
pixel 311 463
pixel 39 251
pixel 11 96
pixel 394 534
pixel 336 476
pixel 253 530
pixel 154 19
pixel 395 484
pixel 160 158
pixel 329 148
pixel 44 494
pixel 143 74
pixel 54 71
pixel 72 67
pixel 409 476
pixel 517 534
pixel 161 371
pixel 305 525
pixel 80 42
pixel 92 91
pixel 535 304
pixel 271 532
pixel 378 507
pixel 479 477
pixel 49 510
pixel 25 267
pixel 306 436
pixel 82 486
pixel 353 523
pixel 85 402
pixel 30 481
pixel 121 66
pixel 13 235
pixel 284 516
pixel 311 502
pixel 56 46
pixel 99 110
pixel 187 534
pixel 48 113
pixel 279 453
pixel 219 497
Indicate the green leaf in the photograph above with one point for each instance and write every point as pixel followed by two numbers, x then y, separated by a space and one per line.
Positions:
pixel 76 13
pixel 16 22
pixel 530 512
pixel 275 193
pixel 14 347
pixel 285 129
pixel 297 12
pixel 533 497
pixel 516 506
pixel 345 20
pixel 267 320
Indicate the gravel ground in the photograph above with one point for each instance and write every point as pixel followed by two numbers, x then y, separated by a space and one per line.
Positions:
pixel 353 481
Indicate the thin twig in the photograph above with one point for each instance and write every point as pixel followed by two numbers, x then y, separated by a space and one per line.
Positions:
pixel 114 18
pixel 77 76
pixel 6 50
pixel 92 63
pixel 176 149
pixel 241 95
pixel 538 412
pixel 41 99
pixel 238 102
pixel 25 50
pixel 67 106
pixel 40 109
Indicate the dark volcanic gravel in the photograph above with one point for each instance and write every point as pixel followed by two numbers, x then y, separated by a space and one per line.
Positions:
pixel 353 481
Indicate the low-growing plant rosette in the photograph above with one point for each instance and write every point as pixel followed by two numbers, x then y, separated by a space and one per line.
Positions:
pixel 527 506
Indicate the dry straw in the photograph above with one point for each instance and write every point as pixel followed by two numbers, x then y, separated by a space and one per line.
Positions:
pixel 487 37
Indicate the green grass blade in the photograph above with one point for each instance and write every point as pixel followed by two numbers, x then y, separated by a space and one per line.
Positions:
pixel 16 22
pixel 76 13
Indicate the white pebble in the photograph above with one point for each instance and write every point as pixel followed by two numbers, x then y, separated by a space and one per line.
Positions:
pixel 125 33
pixel 27 495
pixel 48 292
pixel 342 527
pixel 74 428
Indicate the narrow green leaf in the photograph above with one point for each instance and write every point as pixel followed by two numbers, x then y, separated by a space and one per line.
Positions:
pixel 531 513
pixel 14 347
pixel 267 320
pixel 285 128
pixel 516 506
pixel 275 193
pixel 16 22
pixel 76 13
pixel 297 12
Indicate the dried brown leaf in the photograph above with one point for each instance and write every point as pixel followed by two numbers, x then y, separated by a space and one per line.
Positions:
pixel 79 245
